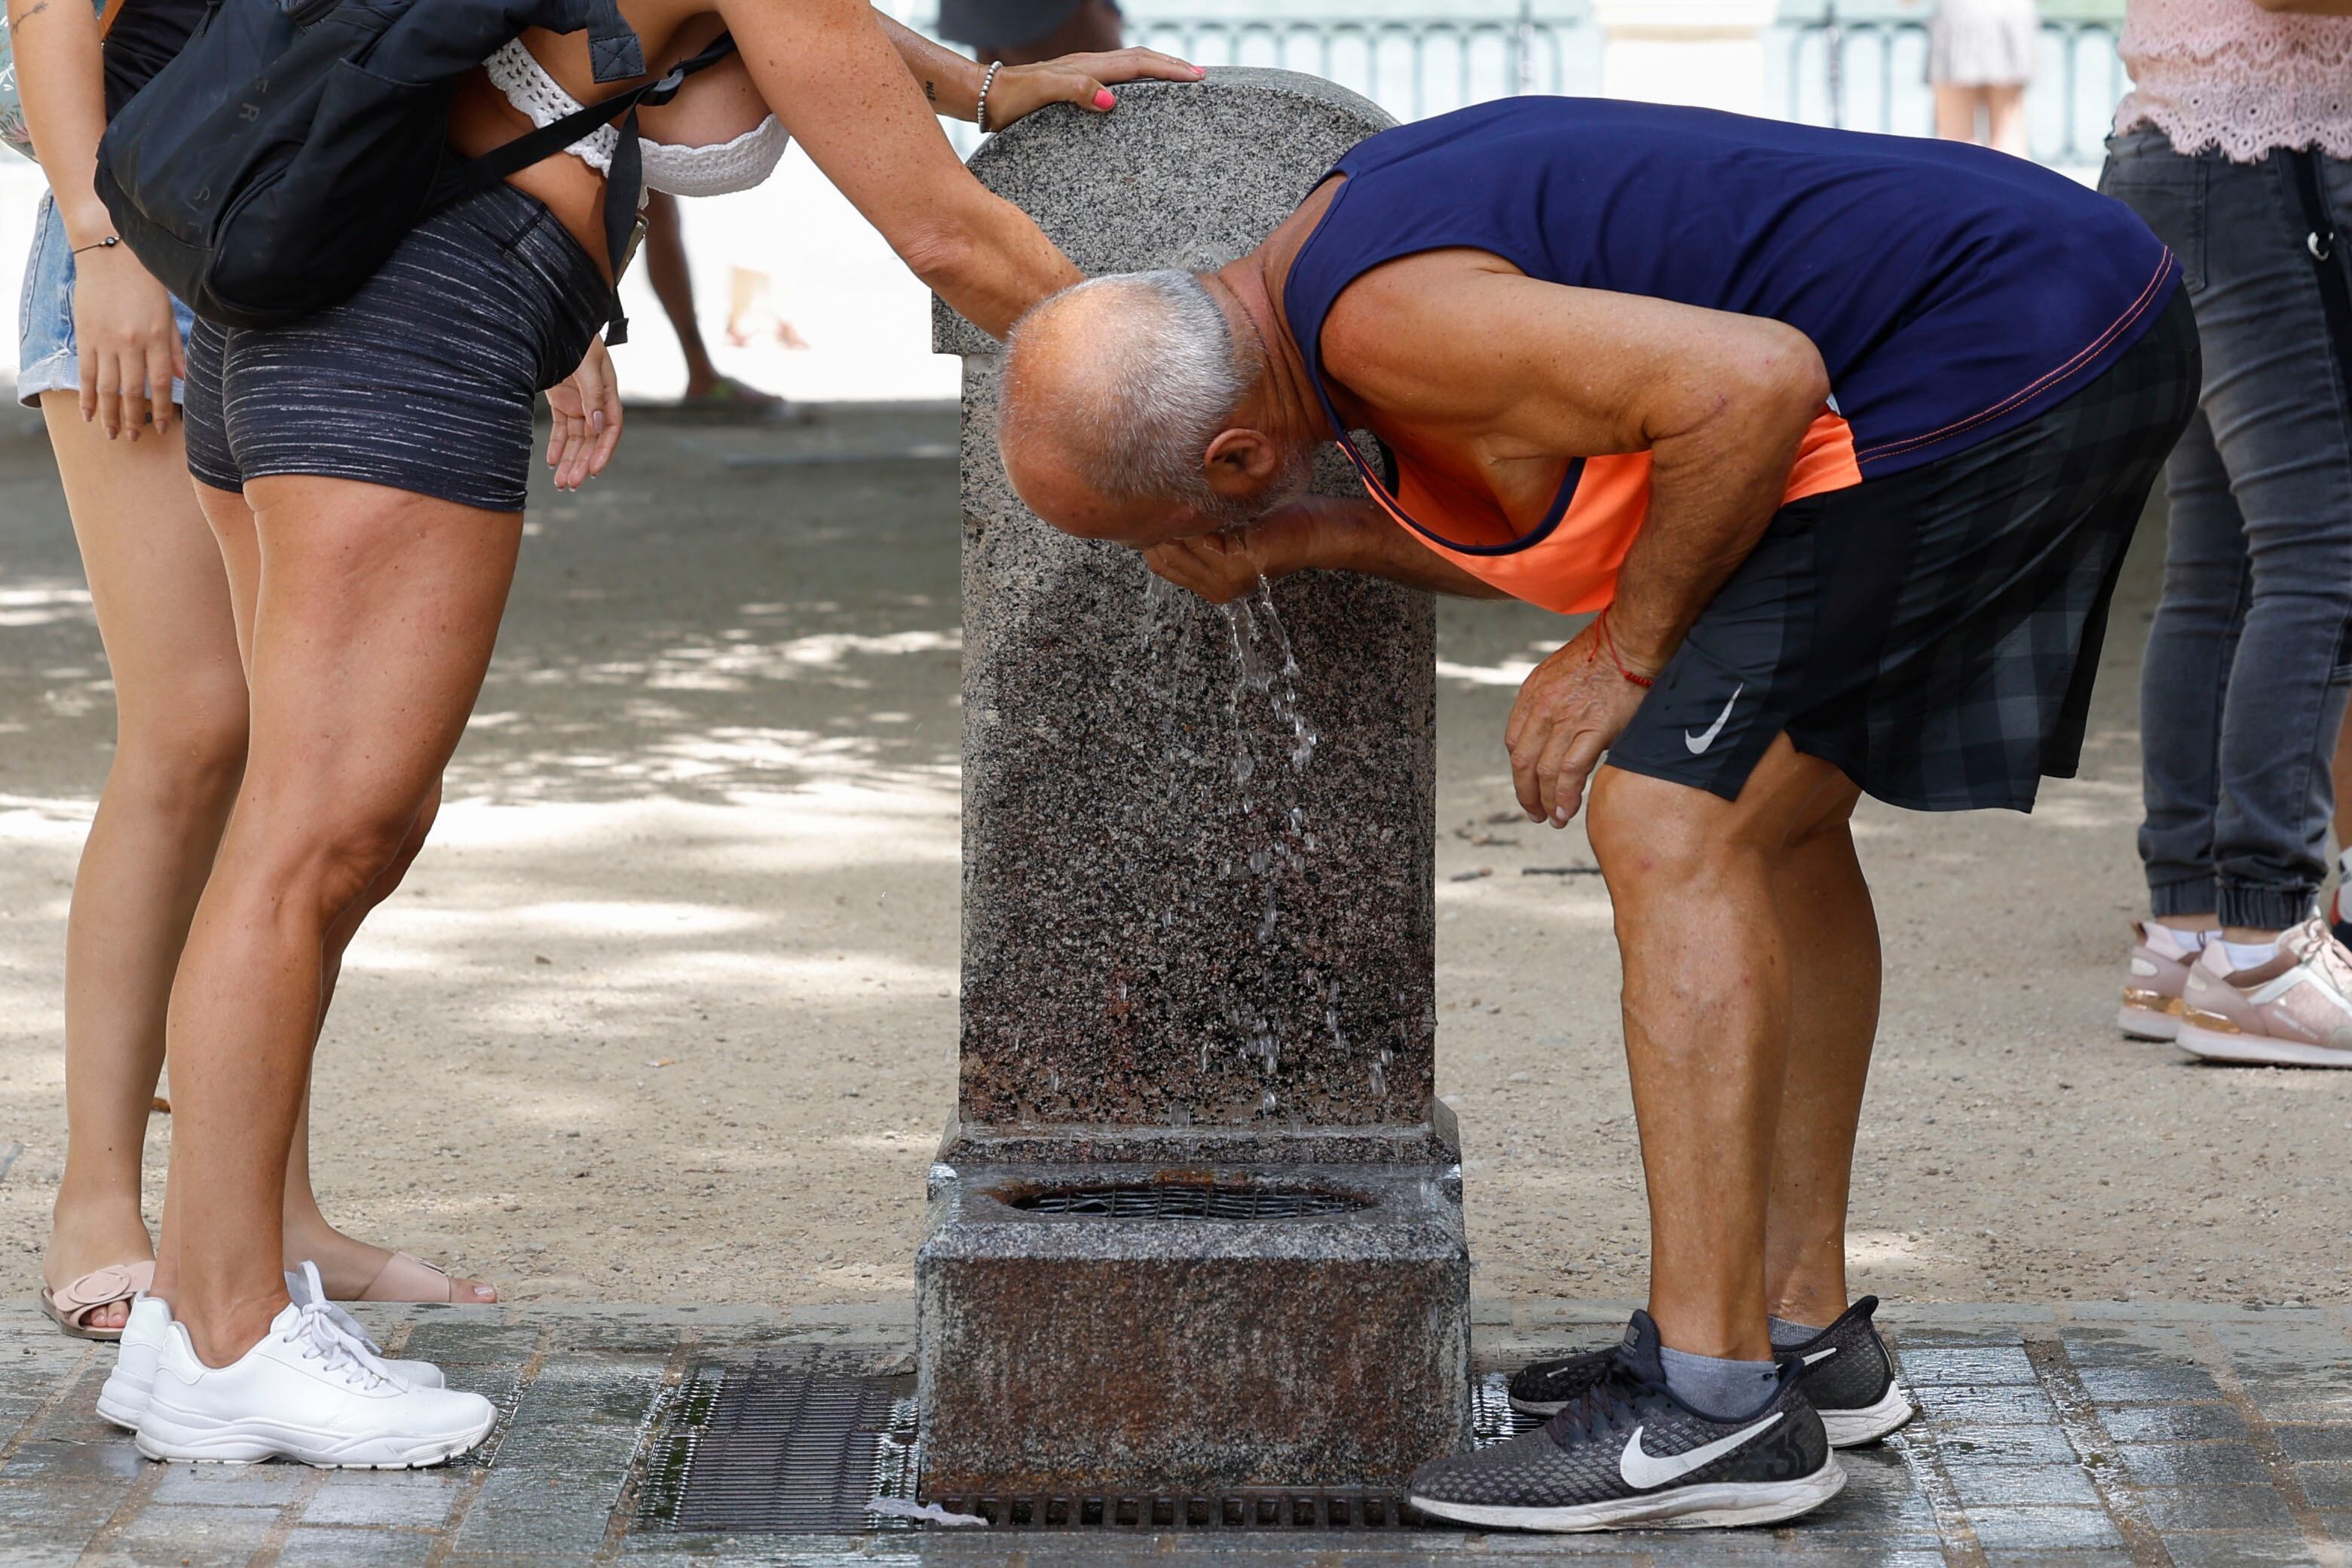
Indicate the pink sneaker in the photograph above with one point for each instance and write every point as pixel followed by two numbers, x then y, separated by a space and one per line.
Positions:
pixel 2160 969
pixel 2294 1011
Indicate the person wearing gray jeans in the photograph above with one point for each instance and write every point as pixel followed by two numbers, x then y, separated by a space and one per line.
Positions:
pixel 2249 659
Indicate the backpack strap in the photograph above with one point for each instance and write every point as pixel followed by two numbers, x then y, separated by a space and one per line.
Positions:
pixel 613 52
pixel 628 159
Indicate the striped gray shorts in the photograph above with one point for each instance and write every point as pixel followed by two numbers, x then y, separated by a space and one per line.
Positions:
pixel 424 381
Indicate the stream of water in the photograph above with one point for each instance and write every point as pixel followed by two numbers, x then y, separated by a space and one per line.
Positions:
pixel 1271 835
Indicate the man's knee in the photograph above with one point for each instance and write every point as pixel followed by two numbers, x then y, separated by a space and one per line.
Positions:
pixel 1650 832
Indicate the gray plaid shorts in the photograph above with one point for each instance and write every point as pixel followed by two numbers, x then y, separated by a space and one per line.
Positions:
pixel 1934 633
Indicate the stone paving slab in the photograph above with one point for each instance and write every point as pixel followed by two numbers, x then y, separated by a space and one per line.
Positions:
pixel 2071 1435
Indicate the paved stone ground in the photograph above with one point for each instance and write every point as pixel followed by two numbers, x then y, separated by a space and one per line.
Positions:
pixel 2079 1436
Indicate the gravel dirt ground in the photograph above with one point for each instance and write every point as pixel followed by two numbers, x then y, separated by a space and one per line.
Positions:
pixel 666 1011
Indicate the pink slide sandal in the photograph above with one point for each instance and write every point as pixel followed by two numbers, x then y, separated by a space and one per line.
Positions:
pixel 71 1307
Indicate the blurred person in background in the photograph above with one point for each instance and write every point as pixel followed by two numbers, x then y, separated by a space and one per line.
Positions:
pixel 101 355
pixel 1980 59
pixel 1024 32
pixel 2235 145
pixel 707 391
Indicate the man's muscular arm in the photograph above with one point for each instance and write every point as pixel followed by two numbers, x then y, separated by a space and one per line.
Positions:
pixel 1463 347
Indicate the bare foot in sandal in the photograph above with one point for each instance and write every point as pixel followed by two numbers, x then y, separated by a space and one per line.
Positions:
pixel 354 1271
pixel 98 1256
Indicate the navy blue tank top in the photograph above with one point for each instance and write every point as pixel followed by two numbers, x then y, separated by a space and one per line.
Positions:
pixel 1953 292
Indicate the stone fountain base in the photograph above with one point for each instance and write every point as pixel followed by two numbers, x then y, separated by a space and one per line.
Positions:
pixel 1124 1325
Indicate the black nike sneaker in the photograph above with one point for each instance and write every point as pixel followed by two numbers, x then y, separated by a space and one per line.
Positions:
pixel 1625 1454
pixel 1849 1377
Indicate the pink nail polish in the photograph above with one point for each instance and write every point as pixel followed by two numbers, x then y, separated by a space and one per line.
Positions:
pixel 1104 100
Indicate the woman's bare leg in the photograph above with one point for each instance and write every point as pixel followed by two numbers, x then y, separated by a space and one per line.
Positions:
pixel 2005 117
pixel 346 1264
pixel 1956 112
pixel 371 629
pixel 162 606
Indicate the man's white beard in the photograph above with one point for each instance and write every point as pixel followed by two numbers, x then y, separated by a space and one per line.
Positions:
pixel 1290 481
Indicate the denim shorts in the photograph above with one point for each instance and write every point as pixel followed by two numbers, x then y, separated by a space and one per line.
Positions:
pixel 47 359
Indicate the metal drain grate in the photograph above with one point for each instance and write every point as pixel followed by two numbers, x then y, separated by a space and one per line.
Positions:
pixel 799 1449
pixel 1248 1508
pixel 1176 1201
pixel 781 1450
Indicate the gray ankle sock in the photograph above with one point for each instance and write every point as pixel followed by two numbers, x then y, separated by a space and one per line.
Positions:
pixel 1716 1387
pixel 1786 1334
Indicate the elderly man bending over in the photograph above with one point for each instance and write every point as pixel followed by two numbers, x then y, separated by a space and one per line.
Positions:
pixel 1844 436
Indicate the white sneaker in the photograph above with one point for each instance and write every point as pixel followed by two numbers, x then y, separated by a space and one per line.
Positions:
pixel 124 1398
pixel 304 1287
pixel 310 1392
pixel 129 1386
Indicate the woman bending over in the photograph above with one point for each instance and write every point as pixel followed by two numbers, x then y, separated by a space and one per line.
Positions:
pixel 364 470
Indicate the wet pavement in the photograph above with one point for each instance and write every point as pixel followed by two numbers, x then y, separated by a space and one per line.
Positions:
pixel 2141 1434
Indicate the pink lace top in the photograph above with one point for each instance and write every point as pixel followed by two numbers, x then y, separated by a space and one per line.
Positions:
pixel 2227 75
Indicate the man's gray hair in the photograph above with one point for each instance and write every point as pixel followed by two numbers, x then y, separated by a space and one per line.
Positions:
pixel 1169 380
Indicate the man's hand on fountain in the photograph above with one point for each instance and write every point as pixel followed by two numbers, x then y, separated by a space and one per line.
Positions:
pixel 1569 712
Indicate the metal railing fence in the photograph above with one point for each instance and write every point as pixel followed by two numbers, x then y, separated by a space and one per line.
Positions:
pixel 1867 72
pixel 1413 67
pixel 1870 73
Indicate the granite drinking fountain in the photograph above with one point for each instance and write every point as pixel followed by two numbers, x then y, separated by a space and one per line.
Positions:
pixel 1196 1225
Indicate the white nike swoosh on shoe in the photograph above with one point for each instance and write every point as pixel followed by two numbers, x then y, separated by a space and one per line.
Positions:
pixel 1821 1355
pixel 1643 1470
pixel 1700 743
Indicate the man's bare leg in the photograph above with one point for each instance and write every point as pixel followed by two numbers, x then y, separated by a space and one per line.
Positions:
pixel 1706 1011
pixel 1830 935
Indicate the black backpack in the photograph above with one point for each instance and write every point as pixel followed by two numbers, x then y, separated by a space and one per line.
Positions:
pixel 273 166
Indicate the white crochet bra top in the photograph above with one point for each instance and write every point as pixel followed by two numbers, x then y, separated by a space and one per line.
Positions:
pixel 2228 76
pixel 735 165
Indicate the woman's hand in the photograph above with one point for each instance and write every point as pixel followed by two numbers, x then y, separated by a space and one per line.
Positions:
pixel 1020 90
pixel 128 338
pixel 1570 711
pixel 586 414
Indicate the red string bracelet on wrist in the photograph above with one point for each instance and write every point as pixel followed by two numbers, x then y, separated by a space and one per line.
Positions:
pixel 1609 644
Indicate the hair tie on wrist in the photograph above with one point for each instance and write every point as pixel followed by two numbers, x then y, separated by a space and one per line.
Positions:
pixel 109 242
pixel 979 114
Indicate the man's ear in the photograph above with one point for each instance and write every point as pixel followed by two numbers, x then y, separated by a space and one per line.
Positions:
pixel 1240 460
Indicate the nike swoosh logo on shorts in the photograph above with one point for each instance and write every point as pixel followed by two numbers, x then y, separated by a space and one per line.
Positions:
pixel 1643 1470
pixel 1700 743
